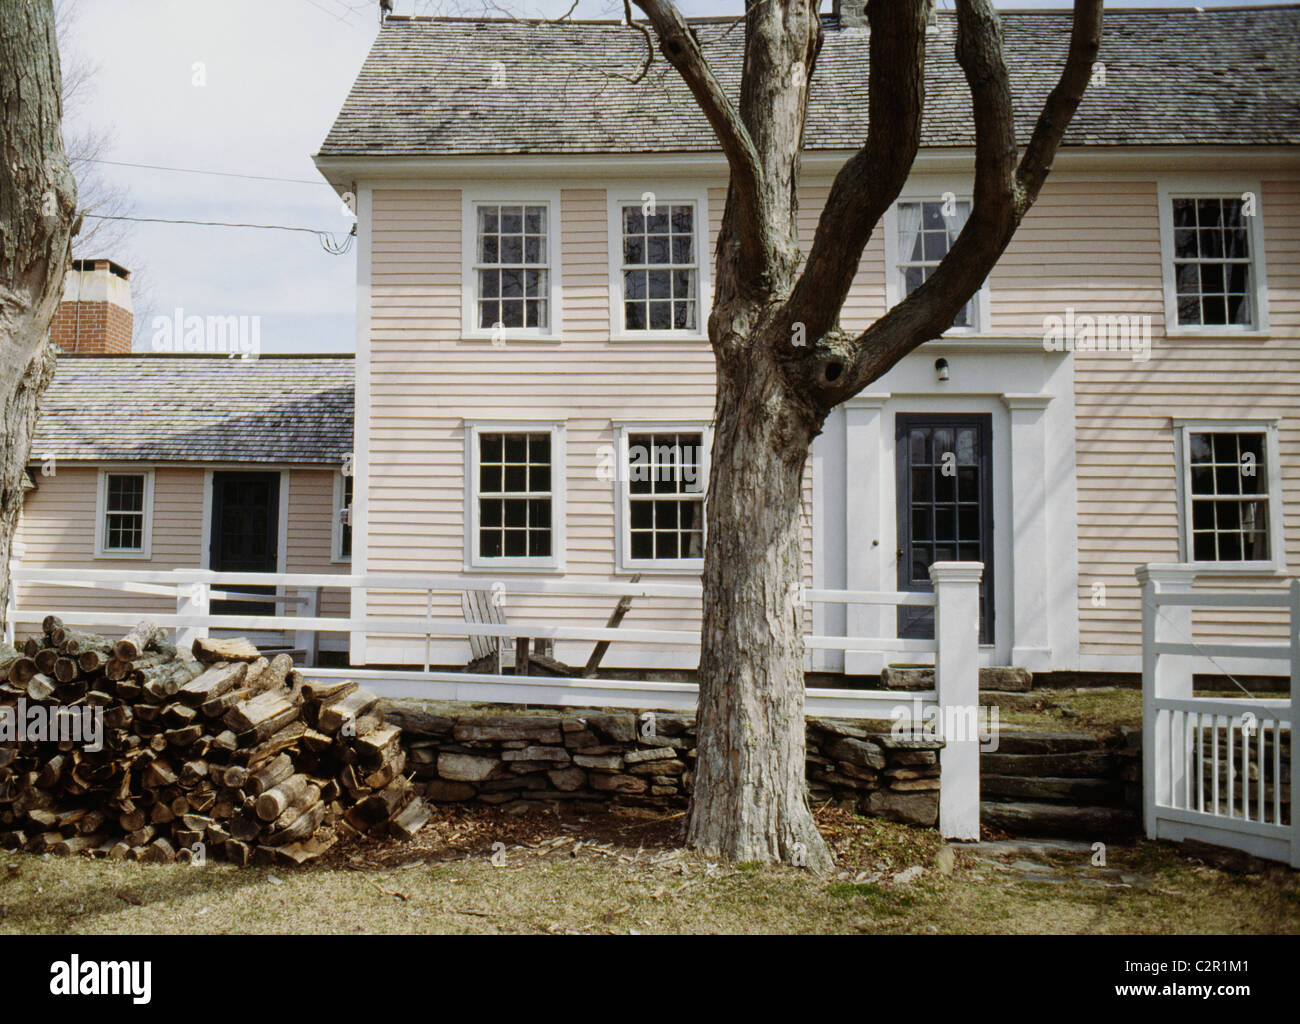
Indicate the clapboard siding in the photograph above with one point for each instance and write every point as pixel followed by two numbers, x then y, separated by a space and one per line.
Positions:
pixel 1091 244
pixel 1127 477
pixel 57 531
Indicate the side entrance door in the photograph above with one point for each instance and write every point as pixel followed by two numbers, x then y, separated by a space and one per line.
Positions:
pixel 245 534
pixel 945 507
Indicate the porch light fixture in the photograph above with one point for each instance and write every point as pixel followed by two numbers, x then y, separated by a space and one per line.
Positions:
pixel 941 368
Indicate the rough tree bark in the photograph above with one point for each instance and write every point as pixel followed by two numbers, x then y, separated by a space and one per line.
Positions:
pixel 38 201
pixel 783 361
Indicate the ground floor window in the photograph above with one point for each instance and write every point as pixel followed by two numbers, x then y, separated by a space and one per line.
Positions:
pixel 516 476
pixel 1230 497
pixel 125 507
pixel 664 482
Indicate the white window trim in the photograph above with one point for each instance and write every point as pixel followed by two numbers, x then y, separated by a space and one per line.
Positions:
pixel 473 561
pixel 893 287
pixel 1277 565
pixel 623 514
pixel 336 530
pixel 101 512
pixel 524 195
pixel 1170 188
pixel 699 198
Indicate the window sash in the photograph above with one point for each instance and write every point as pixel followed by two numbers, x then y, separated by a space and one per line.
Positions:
pixel 684 533
pixel 500 499
pixel 541 299
pixel 1248 536
pixel 690 302
pixel 121 519
pixel 1197 293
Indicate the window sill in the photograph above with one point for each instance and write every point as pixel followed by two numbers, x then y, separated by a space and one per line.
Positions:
pixel 509 337
pixel 536 568
pixel 1219 333
pixel 1252 569
pixel 658 336
pixel 133 555
pixel 690 569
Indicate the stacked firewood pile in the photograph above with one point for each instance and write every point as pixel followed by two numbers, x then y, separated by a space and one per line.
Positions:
pixel 214 751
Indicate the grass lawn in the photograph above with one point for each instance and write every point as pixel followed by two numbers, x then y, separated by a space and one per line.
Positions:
pixel 622 872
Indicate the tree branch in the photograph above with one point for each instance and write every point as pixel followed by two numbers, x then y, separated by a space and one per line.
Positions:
pixel 1003 194
pixel 869 182
pixel 681 48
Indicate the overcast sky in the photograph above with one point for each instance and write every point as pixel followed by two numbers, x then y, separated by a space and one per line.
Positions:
pixel 276 74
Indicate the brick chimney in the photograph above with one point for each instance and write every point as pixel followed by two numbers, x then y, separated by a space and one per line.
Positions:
pixel 95 316
pixel 853 14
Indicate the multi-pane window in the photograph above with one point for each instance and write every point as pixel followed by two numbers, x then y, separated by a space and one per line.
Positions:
pixel 124 512
pixel 666 487
pixel 512 266
pixel 1212 263
pixel 926 231
pixel 1230 491
pixel 514 495
pixel 660 271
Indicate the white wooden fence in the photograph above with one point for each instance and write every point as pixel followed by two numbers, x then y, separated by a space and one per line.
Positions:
pixel 954 651
pixel 1214 768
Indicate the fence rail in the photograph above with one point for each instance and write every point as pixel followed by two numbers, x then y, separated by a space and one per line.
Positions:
pixel 1219 769
pixel 954 650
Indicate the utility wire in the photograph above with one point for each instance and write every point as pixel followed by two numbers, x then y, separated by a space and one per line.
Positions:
pixel 220 174
pixel 326 237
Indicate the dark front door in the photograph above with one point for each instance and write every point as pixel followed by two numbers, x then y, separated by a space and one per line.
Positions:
pixel 945 508
pixel 245 534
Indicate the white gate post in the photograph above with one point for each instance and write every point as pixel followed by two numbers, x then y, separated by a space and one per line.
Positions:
pixel 1163 675
pixel 956 684
pixel 191 599
pixel 308 640
pixel 1295 723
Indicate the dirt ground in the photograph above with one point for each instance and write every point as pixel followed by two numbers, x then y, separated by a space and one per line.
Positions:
pixel 622 871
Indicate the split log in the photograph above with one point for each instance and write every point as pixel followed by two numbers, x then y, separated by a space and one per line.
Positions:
pixel 216 680
pixel 210 649
pixel 333 716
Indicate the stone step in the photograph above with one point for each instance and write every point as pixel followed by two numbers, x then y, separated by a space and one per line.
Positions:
pixel 1095 824
pixel 1074 765
pixel 1015 742
pixel 1096 792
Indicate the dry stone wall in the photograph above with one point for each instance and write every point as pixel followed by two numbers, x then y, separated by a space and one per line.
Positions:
pixel 519 760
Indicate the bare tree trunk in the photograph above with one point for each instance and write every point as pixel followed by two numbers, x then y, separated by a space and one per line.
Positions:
pixel 750 800
pixel 37 204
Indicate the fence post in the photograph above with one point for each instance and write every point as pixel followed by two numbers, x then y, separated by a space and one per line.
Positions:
pixel 1163 675
pixel 191 599
pixel 308 640
pixel 956 684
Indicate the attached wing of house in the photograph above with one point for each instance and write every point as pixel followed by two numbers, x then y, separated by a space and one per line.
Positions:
pixel 158 462
pixel 536 236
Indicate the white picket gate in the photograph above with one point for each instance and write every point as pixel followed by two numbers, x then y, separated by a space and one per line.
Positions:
pixel 1216 768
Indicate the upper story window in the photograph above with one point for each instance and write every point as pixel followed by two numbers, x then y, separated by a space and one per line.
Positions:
pixel 516 495
pixel 919 237
pixel 1231 503
pixel 1212 267
pixel 1213 260
pixel 125 514
pixel 659 282
pixel 512 266
pixel 660 274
